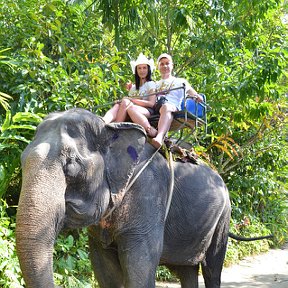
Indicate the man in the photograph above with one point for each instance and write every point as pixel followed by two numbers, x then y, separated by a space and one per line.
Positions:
pixel 174 98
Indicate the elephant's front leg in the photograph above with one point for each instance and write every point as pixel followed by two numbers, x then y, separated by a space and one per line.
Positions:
pixel 105 262
pixel 139 256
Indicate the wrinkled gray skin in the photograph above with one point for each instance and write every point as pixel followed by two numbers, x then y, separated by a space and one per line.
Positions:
pixel 77 165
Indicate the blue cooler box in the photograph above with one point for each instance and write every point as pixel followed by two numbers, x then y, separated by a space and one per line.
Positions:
pixel 191 107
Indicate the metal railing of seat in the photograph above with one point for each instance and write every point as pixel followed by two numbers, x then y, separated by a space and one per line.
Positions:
pixel 192 115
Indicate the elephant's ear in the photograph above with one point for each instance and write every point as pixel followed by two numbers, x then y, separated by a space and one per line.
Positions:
pixel 125 144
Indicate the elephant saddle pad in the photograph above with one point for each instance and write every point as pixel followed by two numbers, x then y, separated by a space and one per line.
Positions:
pixel 179 153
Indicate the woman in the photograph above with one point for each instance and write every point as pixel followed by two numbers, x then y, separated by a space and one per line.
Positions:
pixel 139 107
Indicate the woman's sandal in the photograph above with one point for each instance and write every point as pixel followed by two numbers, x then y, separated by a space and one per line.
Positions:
pixel 151 131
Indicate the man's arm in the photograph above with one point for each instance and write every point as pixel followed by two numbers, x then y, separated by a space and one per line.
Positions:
pixel 192 92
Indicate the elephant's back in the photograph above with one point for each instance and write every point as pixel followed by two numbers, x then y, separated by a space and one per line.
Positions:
pixel 200 198
pixel 198 183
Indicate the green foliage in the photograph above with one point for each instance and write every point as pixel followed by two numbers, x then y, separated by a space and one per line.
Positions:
pixel 4 98
pixel 247 227
pixel 59 65
pixel 16 132
pixel 57 54
pixel 261 189
pixel 163 274
pixel 10 274
pixel 72 266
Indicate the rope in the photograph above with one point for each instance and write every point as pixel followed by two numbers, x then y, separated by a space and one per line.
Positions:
pixel 142 169
pixel 171 188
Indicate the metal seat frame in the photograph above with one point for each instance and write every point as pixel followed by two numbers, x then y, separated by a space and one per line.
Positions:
pixel 184 118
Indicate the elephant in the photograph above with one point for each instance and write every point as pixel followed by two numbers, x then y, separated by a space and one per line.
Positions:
pixel 80 172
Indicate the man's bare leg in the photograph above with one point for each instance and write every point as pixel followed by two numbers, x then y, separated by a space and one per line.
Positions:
pixel 164 123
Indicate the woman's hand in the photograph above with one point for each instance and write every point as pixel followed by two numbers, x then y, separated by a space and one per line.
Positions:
pixel 128 85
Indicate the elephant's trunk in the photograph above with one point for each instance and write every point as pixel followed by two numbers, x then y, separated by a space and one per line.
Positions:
pixel 40 215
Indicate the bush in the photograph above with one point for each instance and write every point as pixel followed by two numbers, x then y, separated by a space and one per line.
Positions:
pixel 10 274
pixel 72 266
pixel 248 227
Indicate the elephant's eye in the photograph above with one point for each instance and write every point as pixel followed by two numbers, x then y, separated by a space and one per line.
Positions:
pixel 72 167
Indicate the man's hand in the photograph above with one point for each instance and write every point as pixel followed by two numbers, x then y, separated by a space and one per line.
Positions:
pixel 199 98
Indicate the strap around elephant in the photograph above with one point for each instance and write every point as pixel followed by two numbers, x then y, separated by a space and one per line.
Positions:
pixel 171 186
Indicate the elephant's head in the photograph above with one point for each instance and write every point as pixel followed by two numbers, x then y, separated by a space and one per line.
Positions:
pixel 70 171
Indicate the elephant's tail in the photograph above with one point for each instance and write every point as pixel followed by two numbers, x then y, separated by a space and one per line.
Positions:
pixel 240 238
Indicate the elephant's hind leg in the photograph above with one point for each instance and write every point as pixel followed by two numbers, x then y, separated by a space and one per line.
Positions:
pixel 212 266
pixel 188 275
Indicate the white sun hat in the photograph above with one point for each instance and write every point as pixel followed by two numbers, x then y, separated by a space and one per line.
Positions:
pixel 142 59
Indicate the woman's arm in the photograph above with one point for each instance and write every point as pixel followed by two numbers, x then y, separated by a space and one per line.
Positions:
pixel 148 102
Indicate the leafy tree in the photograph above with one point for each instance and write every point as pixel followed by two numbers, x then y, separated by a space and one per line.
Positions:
pixel 59 54
pixel 4 60
pixel 10 275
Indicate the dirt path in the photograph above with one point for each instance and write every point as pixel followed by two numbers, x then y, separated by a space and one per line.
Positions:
pixel 268 270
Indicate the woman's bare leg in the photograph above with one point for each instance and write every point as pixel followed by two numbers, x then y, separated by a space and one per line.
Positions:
pixel 140 115
pixel 122 112
pixel 111 114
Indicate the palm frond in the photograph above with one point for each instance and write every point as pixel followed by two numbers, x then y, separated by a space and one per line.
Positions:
pixel 4 98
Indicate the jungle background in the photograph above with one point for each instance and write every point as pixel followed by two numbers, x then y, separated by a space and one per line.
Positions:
pixel 55 55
